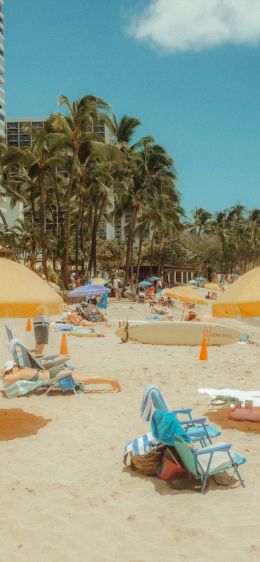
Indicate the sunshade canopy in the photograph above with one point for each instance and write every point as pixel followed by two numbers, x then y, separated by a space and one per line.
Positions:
pixel 186 294
pixel 242 298
pixel 24 294
pixel 212 287
pixel 99 281
pixel 145 283
pixel 88 291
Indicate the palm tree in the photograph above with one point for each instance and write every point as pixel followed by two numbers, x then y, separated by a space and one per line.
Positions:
pixel 73 130
pixel 201 221
pixel 27 177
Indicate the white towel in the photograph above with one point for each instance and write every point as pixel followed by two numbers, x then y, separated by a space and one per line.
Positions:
pixel 242 395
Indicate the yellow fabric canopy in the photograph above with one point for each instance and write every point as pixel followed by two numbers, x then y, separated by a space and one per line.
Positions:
pixel 242 298
pixel 24 294
pixel 185 294
pixel 212 287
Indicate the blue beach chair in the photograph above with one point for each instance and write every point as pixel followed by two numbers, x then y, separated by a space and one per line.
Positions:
pixel 203 462
pixel 197 429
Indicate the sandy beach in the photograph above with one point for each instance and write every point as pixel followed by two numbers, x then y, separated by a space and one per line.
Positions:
pixel 65 494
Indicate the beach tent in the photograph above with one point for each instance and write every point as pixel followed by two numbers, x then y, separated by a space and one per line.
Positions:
pixel 145 283
pixel 24 294
pixel 242 298
pixel 185 294
pixel 88 291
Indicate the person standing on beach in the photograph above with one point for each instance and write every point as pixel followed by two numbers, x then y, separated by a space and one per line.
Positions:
pixel 117 285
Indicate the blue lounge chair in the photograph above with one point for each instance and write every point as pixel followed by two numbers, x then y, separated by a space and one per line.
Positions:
pixel 203 462
pixel 198 429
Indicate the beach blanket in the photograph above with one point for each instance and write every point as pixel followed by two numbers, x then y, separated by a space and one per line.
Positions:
pixel 75 329
pixel 142 445
pixel 241 395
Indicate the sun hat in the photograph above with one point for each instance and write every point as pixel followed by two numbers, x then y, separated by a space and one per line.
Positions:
pixel 8 366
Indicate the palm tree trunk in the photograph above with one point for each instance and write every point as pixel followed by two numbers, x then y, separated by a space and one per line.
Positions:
pixel 66 250
pixel 42 225
pixel 151 256
pixel 141 235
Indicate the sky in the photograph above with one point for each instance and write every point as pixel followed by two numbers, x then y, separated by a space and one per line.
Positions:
pixel 188 69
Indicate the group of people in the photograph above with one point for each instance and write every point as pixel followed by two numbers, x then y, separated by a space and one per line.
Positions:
pixel 211 295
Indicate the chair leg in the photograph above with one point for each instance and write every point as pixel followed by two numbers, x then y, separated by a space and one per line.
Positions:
pixel 239 477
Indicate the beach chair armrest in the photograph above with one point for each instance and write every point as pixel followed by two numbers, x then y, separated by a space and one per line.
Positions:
pixel 213 449
pixel 182 411
pixel 193 421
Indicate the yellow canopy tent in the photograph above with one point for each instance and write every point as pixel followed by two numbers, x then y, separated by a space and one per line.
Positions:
pixel 185 294
pixel 24 294
pixel 242 298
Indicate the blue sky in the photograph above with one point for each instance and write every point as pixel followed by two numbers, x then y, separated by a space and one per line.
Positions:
pixel 191 76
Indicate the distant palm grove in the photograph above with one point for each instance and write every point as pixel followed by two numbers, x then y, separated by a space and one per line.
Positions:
pixel 70 172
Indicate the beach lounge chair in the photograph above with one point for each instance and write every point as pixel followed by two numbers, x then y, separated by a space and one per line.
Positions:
pixel 203 462
pixel 198 429
pixel 63 383
pixel 24 358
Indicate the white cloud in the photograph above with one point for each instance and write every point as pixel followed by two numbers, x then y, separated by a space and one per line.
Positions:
pixel 193 25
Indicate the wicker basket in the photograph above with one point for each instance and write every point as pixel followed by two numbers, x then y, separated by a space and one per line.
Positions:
pixel 147 464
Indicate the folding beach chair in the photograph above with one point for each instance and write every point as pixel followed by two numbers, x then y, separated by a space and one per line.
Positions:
pixel 24 358
pixel 209 461
pixel 203 462
pixel 197 429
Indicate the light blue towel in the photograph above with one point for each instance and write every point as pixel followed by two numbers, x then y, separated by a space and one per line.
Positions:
pixel 165 427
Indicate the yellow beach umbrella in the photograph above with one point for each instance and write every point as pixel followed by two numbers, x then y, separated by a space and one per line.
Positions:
pixel 98 281
pixel 212 287
pixel 24 294
pixel 185 294
pixel 242 298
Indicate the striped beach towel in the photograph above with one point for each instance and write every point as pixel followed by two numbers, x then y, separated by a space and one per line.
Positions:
pixel 142 445
pixel 20 388
pixel 152 397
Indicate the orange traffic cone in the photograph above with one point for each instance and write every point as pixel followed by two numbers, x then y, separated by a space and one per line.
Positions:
pixel 64 346
pixel 203 356
pixel 29 325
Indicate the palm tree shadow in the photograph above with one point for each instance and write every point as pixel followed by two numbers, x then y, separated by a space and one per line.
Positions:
pixel 220 417
pixel 15 423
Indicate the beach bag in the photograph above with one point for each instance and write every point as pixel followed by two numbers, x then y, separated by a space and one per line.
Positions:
pixel 170 467
pixel 147 464
pixel 245 414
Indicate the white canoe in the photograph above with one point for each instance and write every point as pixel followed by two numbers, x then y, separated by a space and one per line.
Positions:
pixel 176 333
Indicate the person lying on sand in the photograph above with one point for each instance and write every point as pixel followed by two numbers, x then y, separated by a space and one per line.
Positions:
pixel 75 319
pixel 13 373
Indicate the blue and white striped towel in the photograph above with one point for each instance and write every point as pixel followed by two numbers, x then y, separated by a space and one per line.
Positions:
pixel 142 445
pixel 20 388
pixel 152 397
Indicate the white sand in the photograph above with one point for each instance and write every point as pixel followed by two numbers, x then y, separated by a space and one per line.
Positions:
pixel 65 496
